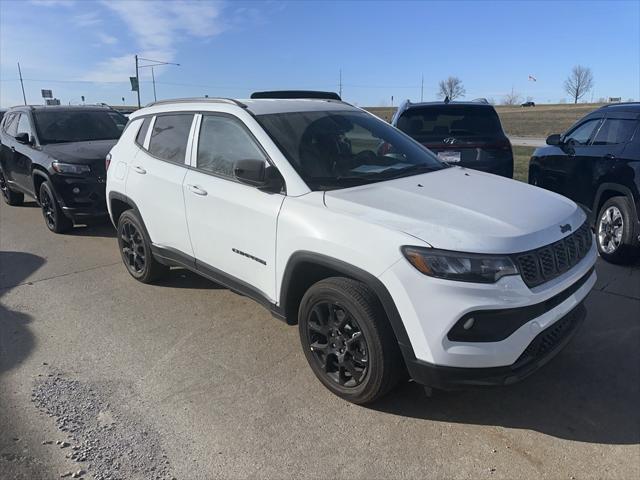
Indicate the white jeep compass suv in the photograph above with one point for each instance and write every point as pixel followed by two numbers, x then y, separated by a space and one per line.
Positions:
pixel 391 262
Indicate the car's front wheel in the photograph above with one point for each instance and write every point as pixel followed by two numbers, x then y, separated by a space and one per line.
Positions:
pixel 9 196
pixel 348 341
pixel 615 231
pixel 135 248
pixel 54 218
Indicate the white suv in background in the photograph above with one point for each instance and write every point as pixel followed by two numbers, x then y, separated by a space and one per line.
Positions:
pixel 390 261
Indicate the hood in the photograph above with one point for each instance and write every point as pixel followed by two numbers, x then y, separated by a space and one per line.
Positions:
pixel 79 152
pixel 463 210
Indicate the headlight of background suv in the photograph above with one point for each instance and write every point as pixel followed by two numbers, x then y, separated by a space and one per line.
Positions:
pixel 70 168
pixel 463 267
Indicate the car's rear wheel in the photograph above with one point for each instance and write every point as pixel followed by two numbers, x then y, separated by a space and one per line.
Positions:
pixel 348 341
pixel 616 234
pixel 9 196
pixel 135 248
pixel 54 218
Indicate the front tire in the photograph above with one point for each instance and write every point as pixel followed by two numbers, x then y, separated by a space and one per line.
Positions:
pixel 348 340
pixel 9 196
pixel 616 234
pixel 135 248
pixel 54 218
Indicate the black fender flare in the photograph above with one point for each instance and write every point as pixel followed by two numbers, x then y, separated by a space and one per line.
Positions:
pixel 37 172
pixel 134 207
pixel 616 187
pixel 358 274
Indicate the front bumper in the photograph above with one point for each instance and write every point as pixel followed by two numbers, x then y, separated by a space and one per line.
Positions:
pixel 81 198
pixel 542 349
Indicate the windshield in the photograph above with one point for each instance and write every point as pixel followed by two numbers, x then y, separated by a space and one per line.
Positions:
pixel 340 149
pixel 59 126
pixel 439 122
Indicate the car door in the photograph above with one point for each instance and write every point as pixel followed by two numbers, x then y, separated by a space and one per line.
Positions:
pixel 154 181
pixel 7 153
pixel 232 225
pixel 567 170
pixel 22 153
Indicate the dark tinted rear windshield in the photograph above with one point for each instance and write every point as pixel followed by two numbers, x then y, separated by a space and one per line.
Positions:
pixel 59 126
pixel 450 120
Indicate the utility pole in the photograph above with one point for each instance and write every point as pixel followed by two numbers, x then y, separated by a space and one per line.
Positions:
pixel 24 97
pixel 138 81
pixel 422 89
pixel 340 85
pixel 153 77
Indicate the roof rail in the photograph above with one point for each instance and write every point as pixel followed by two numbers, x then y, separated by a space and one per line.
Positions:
pixel 197 100
pixel 302 94
pixel 613 104
pixel 480 100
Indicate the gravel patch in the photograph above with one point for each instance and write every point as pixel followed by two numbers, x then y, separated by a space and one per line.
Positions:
pixel 106 440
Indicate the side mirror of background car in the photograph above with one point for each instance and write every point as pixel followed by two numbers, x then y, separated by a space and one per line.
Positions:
pixel 554 139
pixel 258 174
pixel 24 138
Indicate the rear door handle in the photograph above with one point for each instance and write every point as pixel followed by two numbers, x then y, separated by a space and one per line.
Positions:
pixel 610 156
pixel 139 170
pixel 197 190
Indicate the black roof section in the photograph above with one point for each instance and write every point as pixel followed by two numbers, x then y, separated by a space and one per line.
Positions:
pixel 623 106
pixel 299 94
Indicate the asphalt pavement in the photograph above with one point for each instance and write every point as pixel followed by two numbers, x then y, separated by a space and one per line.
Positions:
pixel 185 379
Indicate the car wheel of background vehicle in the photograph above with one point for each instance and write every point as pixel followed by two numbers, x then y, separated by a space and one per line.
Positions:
pixel 9 196
pixel 55 220
pixel 615 231
pixel 348 341
pixel 135 248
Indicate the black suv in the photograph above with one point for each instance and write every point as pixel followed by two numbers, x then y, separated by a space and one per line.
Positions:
pixel 468 134
pixel 596 163
pixel 57 156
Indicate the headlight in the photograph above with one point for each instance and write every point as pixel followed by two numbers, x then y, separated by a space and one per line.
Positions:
pixel 464 267
pixel 70 168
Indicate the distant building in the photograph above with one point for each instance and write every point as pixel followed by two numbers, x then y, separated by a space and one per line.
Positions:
pixel 615 99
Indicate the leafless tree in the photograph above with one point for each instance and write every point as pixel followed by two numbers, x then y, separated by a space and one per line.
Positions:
pixel 512 98
pixel 579 82
pixel 451 87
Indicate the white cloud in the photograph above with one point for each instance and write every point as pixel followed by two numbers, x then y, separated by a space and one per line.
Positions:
pixel 89 19
pixel 107 39
pixel 156 27
pixel 54 3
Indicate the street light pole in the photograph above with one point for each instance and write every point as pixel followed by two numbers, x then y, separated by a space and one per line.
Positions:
pixel 153 77
pixel 24 97
pixel 137 81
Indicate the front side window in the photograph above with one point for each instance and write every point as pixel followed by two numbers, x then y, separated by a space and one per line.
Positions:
pixel 581 134
pixel 62 126
pixel 614 131
pixel 336 149
pixel 169 137
pixel 222 142
pixel 23 125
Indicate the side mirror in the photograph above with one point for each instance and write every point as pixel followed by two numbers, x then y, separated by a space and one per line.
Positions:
pixel 258 174
pixel 23 138
pixel 554 139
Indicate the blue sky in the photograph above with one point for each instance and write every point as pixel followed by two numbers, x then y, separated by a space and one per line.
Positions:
pixel 231 48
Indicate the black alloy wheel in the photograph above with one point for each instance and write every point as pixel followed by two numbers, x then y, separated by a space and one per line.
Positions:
pixel 55 220
pixel 9 196
pixel 338 345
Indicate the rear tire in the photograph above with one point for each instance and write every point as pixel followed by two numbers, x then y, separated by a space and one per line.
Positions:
pixel 135 248
pixel 9 196
pixel 616 235
pixel 348 340
pixel 54 218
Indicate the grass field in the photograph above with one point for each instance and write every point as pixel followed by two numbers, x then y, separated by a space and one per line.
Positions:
pixel 521 156
pixel 540 121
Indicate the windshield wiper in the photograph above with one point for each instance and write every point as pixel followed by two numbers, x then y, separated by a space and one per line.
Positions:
pixel 408 171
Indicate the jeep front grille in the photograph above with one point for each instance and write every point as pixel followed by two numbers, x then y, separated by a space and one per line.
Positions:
pixel 546 263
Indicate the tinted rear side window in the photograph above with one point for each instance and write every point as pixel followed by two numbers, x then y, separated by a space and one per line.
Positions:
pixel 142 133
pixel 169 137
pixel 614 131
pixel 452 120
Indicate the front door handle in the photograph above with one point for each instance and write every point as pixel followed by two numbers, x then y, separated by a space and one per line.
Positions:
pixel 139 170
pixel 197 190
